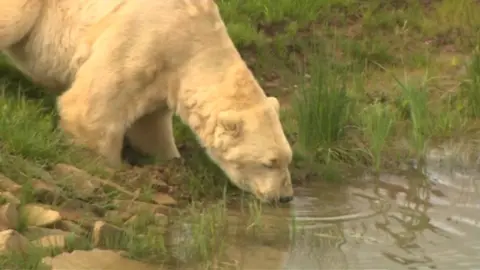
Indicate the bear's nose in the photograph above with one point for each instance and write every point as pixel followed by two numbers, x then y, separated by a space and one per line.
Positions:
pixel 285 199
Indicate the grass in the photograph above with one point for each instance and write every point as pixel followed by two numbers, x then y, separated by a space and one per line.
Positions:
pixel 363 84
pixel 378 120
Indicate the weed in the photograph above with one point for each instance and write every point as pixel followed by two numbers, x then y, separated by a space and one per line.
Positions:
pixel 471 86
pixel 18 260
pixel 416 100
pixel 322 106
pixel 203 233
pixel 25 129
pixel 378 120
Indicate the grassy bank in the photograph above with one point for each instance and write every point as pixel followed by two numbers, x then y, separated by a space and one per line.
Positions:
pixel 362 84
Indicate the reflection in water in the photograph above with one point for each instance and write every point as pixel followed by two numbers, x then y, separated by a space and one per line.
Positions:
pixel 394 222
pixel 399 222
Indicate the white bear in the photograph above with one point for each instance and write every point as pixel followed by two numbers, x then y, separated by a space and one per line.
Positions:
pixel 124 67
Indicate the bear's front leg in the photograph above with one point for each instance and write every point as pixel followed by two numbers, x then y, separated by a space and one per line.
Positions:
pixel 152 134
pixel 106 140
pixel 95 116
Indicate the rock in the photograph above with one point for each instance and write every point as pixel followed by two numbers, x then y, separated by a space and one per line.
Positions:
pixel 159 185
pixel 51 241
pixel 46 192
pixel 82 182
pixel 8 216
pixel 81 217
pixel 39 215
pixel 84 207
pixel 34 233
pixel 161 219
pixel 117 217
pixel 103 234
pixel 9 197
pixel 157 223
pixel 70 226
pixel 135 207
pixel 6 184
pixel 164 199
pixel 11 240
pixel 95 259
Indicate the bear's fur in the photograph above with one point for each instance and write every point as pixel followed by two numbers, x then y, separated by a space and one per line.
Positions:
pixel 124 67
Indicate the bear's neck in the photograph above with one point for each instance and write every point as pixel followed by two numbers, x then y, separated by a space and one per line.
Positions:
pixel 215 82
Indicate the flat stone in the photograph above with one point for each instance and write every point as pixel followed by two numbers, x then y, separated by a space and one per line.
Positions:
pixel 51 241
pixel 81 181
pixel 161 219
pixel 84 183
pixel 46 192
pixel 39 215
pixel 70 226
pixel 159 185
pixel 104 233
pixel 84 207
pixel 34 233
pixel 11 240
pixel 115 216
pixel 9 197
pixel 135 207
pixel 6 184
pixel 8 216
pixel 164 199
pixel 95 259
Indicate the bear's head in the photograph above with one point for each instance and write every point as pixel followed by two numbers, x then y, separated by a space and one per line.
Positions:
pixel 251 148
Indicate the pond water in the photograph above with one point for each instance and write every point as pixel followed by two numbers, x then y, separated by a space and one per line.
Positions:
pixel 396 221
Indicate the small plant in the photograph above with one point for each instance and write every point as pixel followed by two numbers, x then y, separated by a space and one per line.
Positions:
pixel 322 107
pixel 415 97
pixel 471 86
pixel 378 120
pixel 203 232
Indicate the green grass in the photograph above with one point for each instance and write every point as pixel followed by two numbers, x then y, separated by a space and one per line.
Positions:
pixel 351 77
pixel 322 106
pixel 378 120
pixel 471 85
pixel 415 97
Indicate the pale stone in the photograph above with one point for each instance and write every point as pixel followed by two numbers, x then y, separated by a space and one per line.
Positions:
pixel 11 240
pixel 8 216
pixel 104 233
pixel 95 259
pixel 39 215
pixel 164 199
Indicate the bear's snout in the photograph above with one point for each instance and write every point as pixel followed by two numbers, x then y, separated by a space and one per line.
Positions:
pixel 285 199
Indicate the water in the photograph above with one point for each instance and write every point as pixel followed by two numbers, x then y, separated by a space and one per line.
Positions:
pixel 400 221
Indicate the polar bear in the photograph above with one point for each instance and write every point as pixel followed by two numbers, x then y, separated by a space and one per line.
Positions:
pixel 125 67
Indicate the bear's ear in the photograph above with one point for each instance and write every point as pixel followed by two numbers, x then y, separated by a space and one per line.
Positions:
pixel 230 122
pixel 272 101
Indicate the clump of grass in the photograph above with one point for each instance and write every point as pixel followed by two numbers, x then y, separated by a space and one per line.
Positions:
pixel 19 260
pixel 471 86
pixel 145 239
pixel 415 97
pixel 26 130
pixel 450 119
pixel 203 238
pixel 378 120
pixel 322 106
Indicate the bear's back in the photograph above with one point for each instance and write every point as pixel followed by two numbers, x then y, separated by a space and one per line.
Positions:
pixel 47 53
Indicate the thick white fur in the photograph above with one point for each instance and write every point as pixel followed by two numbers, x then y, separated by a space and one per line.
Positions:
pixel 126 66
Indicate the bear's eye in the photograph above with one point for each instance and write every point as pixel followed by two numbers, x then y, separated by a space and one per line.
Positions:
pixel 271 164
